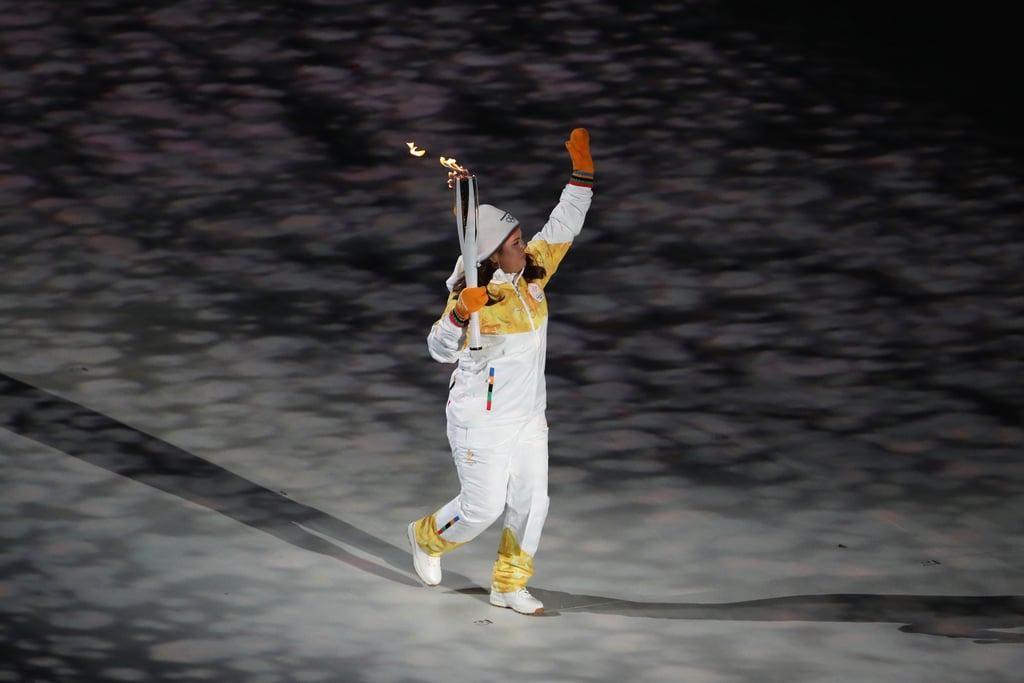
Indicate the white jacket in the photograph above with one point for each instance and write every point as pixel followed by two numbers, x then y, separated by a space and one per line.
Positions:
pixel 503 382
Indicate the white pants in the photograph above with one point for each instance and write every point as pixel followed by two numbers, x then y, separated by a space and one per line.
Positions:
pixel 502 469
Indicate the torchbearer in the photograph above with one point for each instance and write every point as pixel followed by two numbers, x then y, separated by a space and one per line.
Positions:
pixel 497 398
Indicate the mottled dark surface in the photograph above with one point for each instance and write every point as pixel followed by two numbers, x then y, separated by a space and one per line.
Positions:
pixel 785 354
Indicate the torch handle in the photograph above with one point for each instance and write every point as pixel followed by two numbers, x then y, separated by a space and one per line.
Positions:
pixel 474 332
pixel 471 281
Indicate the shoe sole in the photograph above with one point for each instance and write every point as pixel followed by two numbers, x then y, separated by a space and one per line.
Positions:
pixel 501 603
pixel 413 547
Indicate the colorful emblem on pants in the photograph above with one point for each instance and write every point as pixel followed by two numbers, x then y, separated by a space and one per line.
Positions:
pixel 490 389
pixel 447 526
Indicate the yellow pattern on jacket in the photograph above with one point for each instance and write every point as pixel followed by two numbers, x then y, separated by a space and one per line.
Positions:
pixel 521 306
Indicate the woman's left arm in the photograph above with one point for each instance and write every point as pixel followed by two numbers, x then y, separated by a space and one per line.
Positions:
pixel 549 246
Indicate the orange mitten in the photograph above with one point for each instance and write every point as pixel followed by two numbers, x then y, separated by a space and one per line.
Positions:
pixel 578 145
pixel 471 300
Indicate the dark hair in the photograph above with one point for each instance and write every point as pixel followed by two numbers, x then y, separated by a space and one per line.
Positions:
pixel 485 272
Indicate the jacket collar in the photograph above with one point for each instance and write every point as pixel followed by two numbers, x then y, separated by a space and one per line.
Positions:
pixel 501 277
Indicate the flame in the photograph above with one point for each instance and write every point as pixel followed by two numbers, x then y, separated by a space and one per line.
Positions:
pixel 455 171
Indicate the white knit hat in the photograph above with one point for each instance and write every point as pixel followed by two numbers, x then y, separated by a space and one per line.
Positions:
pixel 493 226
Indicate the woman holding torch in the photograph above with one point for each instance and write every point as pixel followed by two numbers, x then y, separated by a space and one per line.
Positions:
pixel 497 428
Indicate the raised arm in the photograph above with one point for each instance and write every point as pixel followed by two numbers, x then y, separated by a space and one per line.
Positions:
pixel 549 246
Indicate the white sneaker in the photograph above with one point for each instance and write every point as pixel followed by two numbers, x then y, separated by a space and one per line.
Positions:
pixel 521 601
pixel 427 567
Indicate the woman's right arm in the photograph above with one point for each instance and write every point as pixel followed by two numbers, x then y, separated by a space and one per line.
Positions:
pixel 448 335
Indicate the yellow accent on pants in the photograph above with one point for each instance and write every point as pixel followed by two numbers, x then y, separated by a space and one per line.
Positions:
pixel 513 568
pixel 429 539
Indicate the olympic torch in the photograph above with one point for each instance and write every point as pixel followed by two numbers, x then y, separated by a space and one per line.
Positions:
pixel 467 209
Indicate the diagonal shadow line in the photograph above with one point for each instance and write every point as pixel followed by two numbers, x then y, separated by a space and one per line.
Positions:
pixel 114 446
pixel 104 442
pixel 954 616
pixel 985 618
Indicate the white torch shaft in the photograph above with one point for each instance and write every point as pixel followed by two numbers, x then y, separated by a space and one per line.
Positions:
pixel 467 206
